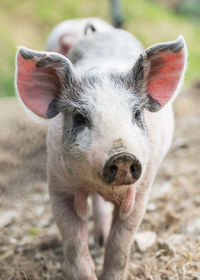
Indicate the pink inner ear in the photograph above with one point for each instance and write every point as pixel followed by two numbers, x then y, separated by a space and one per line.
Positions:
pixel 165 73
pixel 37 87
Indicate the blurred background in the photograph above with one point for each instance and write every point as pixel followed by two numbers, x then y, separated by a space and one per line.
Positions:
pixel 167 245
pixel 28 22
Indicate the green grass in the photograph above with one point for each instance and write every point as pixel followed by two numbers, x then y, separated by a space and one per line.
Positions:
pixel 27 22
pixel 152 23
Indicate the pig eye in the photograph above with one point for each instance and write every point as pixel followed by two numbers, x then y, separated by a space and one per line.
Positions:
pixel 138 115
pixel 80 122
pixel 138 118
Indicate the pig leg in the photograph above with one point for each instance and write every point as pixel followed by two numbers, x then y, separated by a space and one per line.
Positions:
pixel 78 264
pixel 119 241
pixel 102 219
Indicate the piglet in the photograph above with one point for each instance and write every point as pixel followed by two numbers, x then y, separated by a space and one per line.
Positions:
pixel 111 123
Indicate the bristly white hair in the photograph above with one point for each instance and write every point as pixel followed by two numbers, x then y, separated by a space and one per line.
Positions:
pixel 101 93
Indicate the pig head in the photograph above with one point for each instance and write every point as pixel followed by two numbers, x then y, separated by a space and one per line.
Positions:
pixel 110 106
pixel 67 33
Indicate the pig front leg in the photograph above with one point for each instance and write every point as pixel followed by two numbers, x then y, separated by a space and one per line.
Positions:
pixel 120 240
pixel 78 264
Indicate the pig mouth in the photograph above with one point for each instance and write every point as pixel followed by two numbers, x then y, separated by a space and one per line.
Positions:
pixel 120 188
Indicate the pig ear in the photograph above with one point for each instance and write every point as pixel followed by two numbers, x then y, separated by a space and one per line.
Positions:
pixel 159 71
pixel 39 79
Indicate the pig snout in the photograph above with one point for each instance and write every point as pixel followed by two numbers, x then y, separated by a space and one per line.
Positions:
pixel 122 169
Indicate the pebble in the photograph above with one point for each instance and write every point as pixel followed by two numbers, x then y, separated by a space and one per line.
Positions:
pixel 161 190
pixel 151 207
pixel 7 217
pixel 192 226
pixel 145 240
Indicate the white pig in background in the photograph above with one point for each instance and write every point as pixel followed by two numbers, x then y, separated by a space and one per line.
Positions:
pixel 110 105
pixel 66 34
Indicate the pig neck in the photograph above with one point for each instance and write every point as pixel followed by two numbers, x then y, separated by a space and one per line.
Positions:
pixel 102 52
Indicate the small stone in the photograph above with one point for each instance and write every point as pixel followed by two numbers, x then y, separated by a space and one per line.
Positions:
pixel 162 190
pixel 165 248
pixel 171 218
pixel 151 207
pixel 137 256
pixel 192 226
pixel 197 200
pixel 145 240
pixel 7 217
pixel 13 240
pixel 38 256
pixel 176 239
pixel 135 270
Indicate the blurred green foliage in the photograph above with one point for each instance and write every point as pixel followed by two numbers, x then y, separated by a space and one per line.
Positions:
pixel 28 22
pixel 33 232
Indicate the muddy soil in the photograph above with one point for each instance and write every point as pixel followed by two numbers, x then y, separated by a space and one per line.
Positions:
pixel 167 245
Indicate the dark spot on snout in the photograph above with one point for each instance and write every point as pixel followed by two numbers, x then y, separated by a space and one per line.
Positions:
pixel 122 169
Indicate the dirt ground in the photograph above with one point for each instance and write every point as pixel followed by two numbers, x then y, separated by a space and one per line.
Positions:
pixel 167 245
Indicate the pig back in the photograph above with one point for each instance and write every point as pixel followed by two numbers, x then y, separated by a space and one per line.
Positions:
pixel 114 49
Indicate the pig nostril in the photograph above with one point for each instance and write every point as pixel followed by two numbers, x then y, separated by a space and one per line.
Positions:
pixel 109 172
pixel 113 170
pixel 132 169
pixel 135 170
